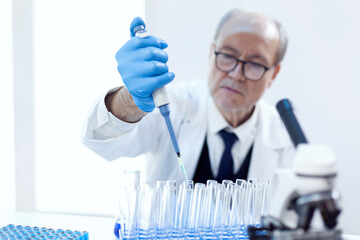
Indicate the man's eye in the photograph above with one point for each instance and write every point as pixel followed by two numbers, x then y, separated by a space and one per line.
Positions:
pixel 255 65
pixel 228 56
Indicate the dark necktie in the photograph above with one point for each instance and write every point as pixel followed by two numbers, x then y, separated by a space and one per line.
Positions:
pixel 226 170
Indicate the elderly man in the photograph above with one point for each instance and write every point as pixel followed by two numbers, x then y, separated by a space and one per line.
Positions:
pixel 224 129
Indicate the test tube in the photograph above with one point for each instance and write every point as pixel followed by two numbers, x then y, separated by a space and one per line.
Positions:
pixel 171 198
pixel 243 208
pixel 265 200
pixel 257 202
pixel 183 203
pixel 196 211
pixel 226 207
pixel 234 218
pixel 218 215
pixel 147 219
pixel 128 217
pixel 162 217
pixel 206 230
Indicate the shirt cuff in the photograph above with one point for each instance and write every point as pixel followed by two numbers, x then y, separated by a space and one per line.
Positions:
pixel 120 125
pixel 110 126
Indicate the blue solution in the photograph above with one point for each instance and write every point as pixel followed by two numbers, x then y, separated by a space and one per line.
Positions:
pixel 20 232
pixel 239 233
pixel 117 229
pixel 147 234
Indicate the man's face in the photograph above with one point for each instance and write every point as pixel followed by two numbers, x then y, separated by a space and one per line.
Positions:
pixel 231 91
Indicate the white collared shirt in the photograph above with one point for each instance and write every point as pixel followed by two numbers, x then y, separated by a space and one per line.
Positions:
pixel 245 134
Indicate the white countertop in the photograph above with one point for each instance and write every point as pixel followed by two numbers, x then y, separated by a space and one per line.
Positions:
pixel 99 228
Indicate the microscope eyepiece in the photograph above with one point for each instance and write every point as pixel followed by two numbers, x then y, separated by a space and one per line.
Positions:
pixel 290 121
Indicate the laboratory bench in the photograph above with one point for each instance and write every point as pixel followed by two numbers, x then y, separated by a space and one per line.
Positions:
pixel 99 228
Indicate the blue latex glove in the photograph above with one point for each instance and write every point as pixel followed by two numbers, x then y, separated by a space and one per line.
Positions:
pixel 142 66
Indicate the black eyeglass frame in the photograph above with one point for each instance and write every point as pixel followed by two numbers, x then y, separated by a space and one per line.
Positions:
pixel 242 66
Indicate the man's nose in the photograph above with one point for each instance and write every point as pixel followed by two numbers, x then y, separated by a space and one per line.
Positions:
pixel 237 73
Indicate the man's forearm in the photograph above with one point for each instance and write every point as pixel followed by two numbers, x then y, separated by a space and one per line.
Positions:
pixel 121 104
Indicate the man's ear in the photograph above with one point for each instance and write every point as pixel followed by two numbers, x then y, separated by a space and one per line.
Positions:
pixel 212 47
pixel 275 73
pixel 211 50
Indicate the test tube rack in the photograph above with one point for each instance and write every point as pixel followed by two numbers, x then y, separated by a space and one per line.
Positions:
pixel 12 231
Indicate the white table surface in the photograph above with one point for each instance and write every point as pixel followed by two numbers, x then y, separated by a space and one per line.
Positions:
pixel 99 228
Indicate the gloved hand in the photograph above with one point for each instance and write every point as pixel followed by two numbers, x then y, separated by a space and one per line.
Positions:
pixel 142 66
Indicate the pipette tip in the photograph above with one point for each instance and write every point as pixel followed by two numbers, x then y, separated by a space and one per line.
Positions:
pixel 182 166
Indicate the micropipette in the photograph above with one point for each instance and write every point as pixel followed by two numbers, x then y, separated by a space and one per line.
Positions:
pixel 161 101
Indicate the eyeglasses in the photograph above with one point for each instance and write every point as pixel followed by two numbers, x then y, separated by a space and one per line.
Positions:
pixel 227 63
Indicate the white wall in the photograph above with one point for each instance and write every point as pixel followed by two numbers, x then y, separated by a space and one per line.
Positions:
pixel 7 167
pixel 74 56
pixel 56 57
pixel 320 72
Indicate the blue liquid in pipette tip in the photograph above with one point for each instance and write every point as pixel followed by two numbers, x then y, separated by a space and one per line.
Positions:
pixel 182 166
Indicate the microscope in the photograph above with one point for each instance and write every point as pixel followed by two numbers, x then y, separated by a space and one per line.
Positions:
pixel 303 202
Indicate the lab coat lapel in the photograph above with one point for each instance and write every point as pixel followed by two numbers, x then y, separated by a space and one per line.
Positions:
pixel 194 133
pixel 263 162
pixel 193 128
pixel 268 145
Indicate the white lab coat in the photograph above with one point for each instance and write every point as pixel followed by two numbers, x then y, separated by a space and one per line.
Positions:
pixel 112 138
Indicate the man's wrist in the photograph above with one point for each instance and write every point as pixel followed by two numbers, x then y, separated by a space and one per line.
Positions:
pixel 121 104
